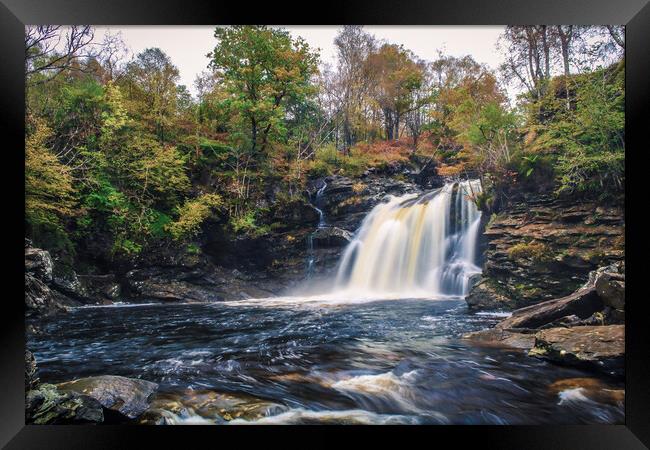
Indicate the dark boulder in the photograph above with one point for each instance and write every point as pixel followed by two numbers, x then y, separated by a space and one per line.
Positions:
pixel 172 284
pixel 39 263
pixel 66 281
pixel 611 288
pixel 128 396
pixel 40 299
pixel 101 287
pixel 331 237
pixel 485 295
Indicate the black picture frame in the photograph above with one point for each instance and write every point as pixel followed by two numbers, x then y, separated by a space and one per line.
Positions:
pixel 635 14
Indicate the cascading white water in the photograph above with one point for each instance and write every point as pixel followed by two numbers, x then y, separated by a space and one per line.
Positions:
pixel 414 246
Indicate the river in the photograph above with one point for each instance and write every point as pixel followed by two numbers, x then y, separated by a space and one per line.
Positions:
pixel 294 361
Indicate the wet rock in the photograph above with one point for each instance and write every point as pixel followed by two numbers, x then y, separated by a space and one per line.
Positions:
pixel 31 378
pixel 128 396
pixel 611 288
pixel 485 295
pixel 501 337
pixel 597 347
pixel 346 201
pixel 295 213
pixel 67 282
pixel 49 406
pixel 331 237
pixel 39 264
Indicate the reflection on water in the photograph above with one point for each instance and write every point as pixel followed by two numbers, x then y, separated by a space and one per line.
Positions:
pixel 385 362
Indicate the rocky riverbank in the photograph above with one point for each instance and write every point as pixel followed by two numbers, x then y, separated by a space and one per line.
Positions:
pixel 584 329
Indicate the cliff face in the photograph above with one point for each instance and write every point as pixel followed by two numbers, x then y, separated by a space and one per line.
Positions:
pixel 543 248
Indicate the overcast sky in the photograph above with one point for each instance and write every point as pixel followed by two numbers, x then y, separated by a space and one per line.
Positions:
pixel 187 46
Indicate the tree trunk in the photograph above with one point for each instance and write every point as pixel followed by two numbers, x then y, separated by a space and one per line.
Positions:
pixel 396 134
pixel 565 41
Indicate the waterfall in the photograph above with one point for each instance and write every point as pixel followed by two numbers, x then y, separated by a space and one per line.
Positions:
pixel 415 245
pixel 318 204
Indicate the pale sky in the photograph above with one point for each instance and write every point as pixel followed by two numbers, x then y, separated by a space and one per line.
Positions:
pixel 187 46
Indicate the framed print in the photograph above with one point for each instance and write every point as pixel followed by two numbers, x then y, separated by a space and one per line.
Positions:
pixel 409 215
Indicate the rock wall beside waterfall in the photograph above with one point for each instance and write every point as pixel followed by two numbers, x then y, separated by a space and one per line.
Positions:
pixel 542 248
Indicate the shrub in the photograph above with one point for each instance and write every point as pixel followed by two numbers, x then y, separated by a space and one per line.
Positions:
pixel 246 224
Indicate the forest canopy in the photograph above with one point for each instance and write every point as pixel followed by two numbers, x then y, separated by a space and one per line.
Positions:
pixel 120 149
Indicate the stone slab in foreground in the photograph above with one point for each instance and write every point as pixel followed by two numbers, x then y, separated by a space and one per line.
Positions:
pixel 599 347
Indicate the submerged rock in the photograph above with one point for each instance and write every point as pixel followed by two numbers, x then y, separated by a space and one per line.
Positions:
pixel 596 347
pixel 206 407
pixel 48 405
pixel 589 388
pixel 128 396
pixel 501 337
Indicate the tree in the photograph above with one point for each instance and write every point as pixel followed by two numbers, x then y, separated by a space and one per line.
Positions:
pixel 351 84
pixel 463 88
pixel 528 53
pixel 396 76
pixel 51 50
pixel 150 86
pixel 262 69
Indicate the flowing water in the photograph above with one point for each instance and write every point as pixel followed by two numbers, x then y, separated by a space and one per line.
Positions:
pixel 382 346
